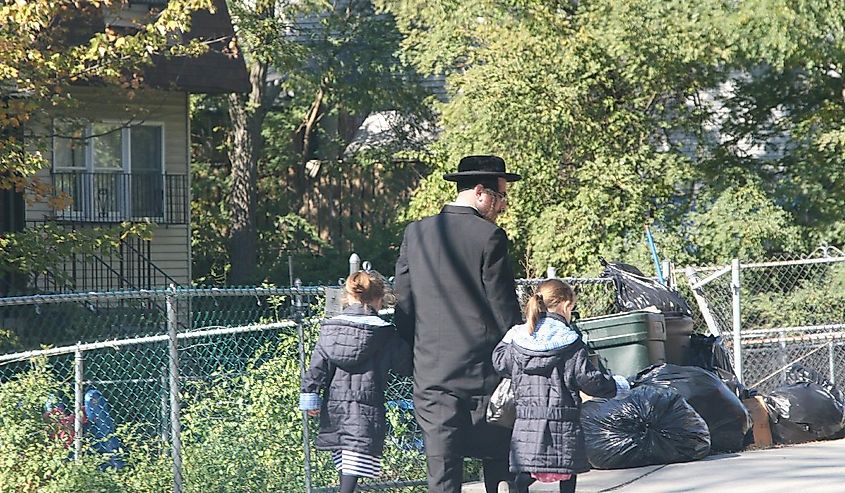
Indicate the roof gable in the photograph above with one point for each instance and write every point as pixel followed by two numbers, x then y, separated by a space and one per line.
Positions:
pixel 220 70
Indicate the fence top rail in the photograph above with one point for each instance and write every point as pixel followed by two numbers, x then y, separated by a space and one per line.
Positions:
pixel 775 263
pixel 570 280
pixel 199 291
pixel 814 339
pixel 205 332
pixel 147 294
pixel 801 328
pixel 782 263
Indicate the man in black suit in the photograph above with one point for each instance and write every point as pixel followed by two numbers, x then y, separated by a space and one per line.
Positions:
pixel 456 298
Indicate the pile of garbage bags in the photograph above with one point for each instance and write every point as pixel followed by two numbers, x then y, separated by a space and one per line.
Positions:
pixel 806 408
pixel 682 413
pixel 650 426
pixel 726 417
pixel 674 414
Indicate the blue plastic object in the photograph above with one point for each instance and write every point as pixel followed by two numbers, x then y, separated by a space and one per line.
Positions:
pixel 653 250
pixel 100 427
pixel 410 438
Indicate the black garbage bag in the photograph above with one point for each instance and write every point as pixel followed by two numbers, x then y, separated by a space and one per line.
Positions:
pixel 650 426
pixel 634 291
pixel 798 373
pixel 726 416
pixel 710 353
pixel 807 408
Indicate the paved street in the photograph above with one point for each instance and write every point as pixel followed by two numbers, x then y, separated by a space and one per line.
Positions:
pixel 817 467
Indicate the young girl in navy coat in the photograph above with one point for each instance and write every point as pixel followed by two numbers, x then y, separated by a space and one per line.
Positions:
pixel 349 367
pixel 548 364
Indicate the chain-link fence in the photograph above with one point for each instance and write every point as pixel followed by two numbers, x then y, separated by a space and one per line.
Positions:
pixel 202 385
pixel 204 396
pixel 777 313
pixel 208 381
pixel 97 316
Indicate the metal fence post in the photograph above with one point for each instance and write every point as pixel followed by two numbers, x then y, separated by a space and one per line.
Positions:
pixel 306 440
pixel 164 398
pixel 551 272
pixel 831 365
pixel 78 412
pixel 669 274
pixel 354 263
pixel 737 321
pixel 784 358
pixel 175 424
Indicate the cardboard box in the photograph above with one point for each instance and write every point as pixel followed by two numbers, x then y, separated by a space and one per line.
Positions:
pixel 760 416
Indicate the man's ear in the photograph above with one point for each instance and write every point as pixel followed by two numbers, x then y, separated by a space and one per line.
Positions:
pixel 479 190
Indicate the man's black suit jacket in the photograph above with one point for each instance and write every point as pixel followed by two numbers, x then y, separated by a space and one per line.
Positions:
pixel 456 298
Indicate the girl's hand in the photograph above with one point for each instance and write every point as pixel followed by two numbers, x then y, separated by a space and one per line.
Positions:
pixel 313 412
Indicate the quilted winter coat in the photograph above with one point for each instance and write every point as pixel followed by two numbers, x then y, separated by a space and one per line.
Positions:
pixel 548 370
pixel 347 378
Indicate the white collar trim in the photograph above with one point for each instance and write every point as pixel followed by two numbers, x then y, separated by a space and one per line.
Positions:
pixel 364 319
pixel 462 204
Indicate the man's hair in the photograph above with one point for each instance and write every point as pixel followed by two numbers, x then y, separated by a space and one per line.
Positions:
pixel 467 183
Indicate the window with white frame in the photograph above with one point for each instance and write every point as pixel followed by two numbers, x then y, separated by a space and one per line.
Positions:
pixel 111 171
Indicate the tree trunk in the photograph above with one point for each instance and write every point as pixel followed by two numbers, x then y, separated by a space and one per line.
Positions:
pixel 246 114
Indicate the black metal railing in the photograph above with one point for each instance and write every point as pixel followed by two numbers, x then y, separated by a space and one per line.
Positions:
pixel 139 269
pixel 119 196
pixel 125 266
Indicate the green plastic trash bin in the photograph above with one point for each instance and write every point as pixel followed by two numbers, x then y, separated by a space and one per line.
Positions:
pixel 626 342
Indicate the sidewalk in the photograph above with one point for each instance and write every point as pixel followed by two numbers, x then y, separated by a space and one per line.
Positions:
pixel 817 467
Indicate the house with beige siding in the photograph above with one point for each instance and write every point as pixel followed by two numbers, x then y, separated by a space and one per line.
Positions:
pixel 118 156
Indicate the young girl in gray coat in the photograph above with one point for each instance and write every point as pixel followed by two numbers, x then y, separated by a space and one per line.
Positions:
pixel 349 367
pixel 548 364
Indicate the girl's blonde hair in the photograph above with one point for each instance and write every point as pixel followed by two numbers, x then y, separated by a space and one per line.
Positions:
pixel 548 294
pixel 365 287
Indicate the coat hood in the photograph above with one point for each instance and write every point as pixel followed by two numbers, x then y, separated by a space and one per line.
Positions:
pixel 553 340
pixel 354 336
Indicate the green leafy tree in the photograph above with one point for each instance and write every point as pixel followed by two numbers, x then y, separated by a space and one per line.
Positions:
pixel 792 104
pixel 742 223
pixel 318 69
pixel 625 113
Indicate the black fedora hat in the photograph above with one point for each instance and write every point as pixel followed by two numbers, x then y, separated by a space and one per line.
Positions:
pixel 481 166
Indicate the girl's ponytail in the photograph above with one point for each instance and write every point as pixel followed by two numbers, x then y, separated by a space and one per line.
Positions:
pixel 365 287
pixel 533 309
pixel 548 294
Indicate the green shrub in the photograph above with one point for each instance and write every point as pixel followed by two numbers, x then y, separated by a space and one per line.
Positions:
pixel 29 456
pixel 241 433
pixel 34 458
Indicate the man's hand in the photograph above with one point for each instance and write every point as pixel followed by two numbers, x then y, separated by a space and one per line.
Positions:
pixel 313 412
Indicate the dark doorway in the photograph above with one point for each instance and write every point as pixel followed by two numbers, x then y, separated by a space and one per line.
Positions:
pixel 11 221
pixel 11 211
pixel 12 216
